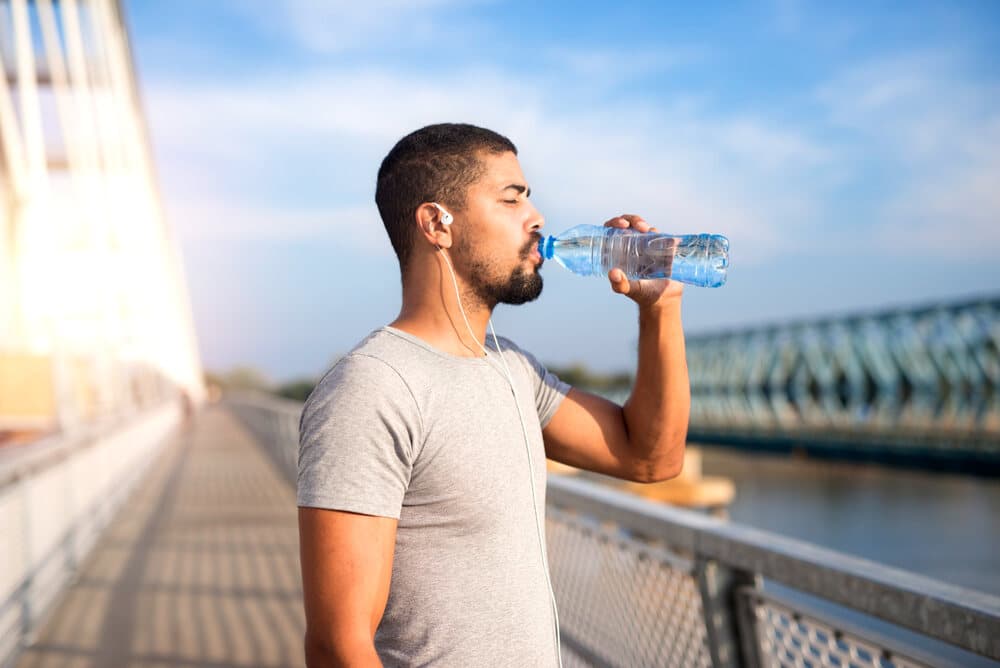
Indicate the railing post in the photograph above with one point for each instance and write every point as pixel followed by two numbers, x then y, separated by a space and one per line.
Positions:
pixel 727 622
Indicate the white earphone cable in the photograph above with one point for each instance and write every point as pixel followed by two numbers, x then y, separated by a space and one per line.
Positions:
pixel 527 447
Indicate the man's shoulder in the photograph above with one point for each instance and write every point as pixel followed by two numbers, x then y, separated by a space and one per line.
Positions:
pixel 509 347
pixel 375 360
pixel 380 346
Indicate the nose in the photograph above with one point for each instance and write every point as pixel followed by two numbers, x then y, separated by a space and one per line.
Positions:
pixel 537 220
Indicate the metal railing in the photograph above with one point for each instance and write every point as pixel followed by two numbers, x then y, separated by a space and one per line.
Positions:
pixel 639 575
pixel 275 423
pixel 56 497
pixel 641 584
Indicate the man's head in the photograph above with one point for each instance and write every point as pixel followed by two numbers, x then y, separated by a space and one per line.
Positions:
pixel 474 174
pixel 436 163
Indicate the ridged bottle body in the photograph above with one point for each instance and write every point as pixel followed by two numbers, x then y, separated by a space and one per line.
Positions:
pixel 591 250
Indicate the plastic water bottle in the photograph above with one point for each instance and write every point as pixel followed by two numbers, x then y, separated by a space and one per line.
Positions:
pixel 591 250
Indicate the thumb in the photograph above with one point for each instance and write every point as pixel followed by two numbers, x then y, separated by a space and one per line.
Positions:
pixel 619 283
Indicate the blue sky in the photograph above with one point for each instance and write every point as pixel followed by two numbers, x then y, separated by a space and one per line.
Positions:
pixel 851 154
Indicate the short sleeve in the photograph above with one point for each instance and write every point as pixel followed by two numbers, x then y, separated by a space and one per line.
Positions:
pixel 357 437
pixel 549 389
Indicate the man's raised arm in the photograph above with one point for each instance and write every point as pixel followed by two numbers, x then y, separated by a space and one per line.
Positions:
pixel 644 440
pixel 346 567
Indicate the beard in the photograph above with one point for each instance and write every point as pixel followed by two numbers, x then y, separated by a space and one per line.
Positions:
pixel 519 287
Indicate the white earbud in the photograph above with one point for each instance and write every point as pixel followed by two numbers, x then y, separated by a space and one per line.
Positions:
pixel 446 218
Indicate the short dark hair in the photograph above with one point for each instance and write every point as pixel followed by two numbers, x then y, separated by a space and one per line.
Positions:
pixel 436 163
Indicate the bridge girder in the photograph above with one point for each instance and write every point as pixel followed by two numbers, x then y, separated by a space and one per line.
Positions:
pixel 94 311
pixel 924 378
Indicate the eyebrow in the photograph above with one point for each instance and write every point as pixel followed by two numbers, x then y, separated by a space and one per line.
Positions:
pixel 521 189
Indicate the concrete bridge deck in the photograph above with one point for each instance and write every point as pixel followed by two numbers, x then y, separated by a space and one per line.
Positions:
pixel 200 568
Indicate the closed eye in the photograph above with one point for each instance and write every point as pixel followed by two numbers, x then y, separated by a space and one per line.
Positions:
pixel 518 188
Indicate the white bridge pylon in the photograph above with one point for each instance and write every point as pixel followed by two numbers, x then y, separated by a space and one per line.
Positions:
pixel 94 313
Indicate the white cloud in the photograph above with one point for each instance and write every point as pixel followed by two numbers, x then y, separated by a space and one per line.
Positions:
pixel 357 227
pixel 954 213
pixel 684 170
pixel 918 105
pixel 939 136
pixel 335 26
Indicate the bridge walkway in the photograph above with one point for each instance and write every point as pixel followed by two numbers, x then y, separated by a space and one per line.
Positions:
pixel 200 568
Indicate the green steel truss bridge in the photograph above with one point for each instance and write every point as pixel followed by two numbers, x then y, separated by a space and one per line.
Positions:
pixel 921 384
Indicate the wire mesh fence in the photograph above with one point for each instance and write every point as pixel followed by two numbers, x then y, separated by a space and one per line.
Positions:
pixel 787 638
pixel 621 600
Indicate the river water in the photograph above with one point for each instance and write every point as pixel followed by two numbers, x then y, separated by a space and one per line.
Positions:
pixel 941 525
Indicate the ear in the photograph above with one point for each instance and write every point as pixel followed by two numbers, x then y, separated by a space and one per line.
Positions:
pixel 431 226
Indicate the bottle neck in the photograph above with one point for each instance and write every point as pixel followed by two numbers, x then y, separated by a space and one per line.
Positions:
pixel 546 246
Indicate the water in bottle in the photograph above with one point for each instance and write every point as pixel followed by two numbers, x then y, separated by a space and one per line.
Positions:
pixel 590 250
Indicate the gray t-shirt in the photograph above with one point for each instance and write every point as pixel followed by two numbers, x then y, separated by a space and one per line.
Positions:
pixel 400 429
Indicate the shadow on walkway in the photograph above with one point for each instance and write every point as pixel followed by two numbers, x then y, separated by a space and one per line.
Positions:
pixel 199 569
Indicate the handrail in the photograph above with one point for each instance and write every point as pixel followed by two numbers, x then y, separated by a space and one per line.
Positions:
pixel 34 457
pixel 56 496
pixel 962 617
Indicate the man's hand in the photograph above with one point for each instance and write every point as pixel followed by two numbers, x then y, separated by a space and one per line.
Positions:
pixel 644 292
pixel 644 439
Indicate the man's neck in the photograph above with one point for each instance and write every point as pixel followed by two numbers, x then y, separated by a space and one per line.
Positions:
pixel 435 316
pixel 445 340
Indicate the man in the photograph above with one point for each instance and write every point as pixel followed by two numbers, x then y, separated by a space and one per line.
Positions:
pixel 421 481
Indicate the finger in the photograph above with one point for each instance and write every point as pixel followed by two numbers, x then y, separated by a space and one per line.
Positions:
pixel 636 221
pixel 629 220
pixel 641 226
pixel 619 283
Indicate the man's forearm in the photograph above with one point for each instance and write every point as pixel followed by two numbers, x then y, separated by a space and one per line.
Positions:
pixel 657 411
